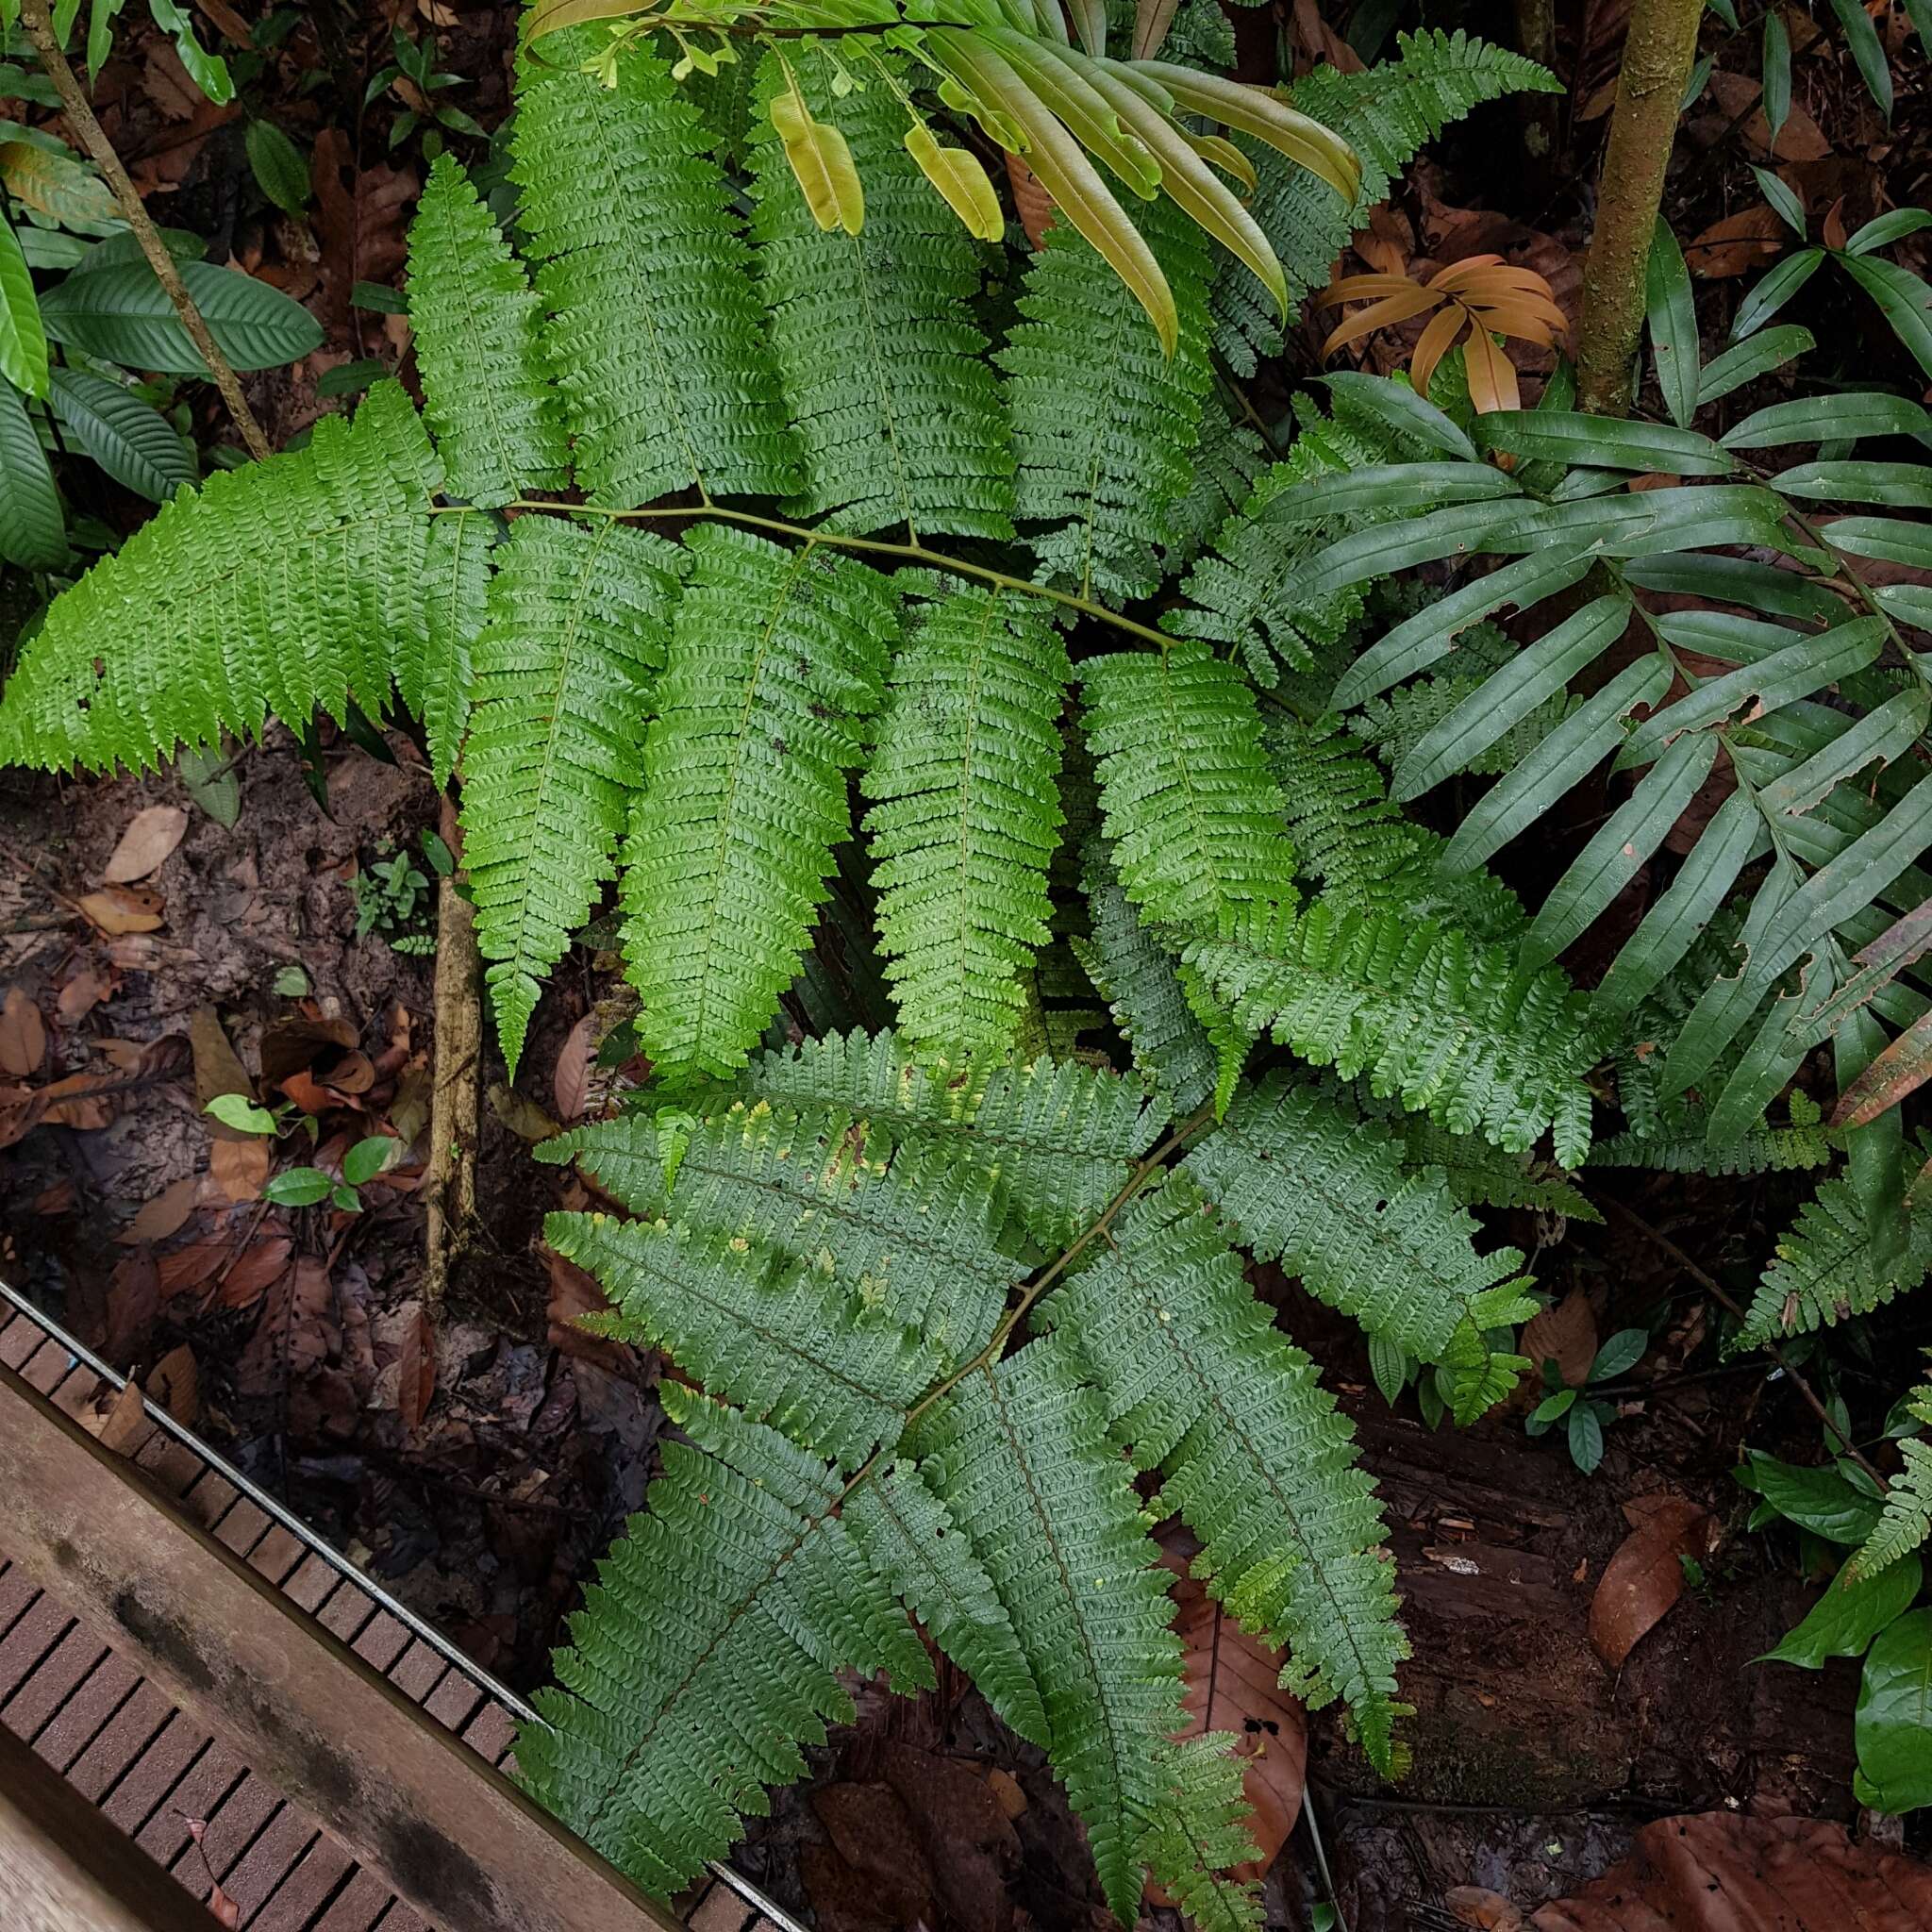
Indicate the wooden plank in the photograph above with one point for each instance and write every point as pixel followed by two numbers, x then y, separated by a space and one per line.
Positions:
pixel 462 1847
pixel 64 1869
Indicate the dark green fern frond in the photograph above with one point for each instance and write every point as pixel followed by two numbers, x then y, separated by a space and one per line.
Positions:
pixel 1385 115
pixel 1480 1175
pixel 897 414
pixel 1060 1139
pixel 1765 1149
pixel 1102 422
pixel 578 621
pixel 1454 1027
pixel 778 658
pixel 709 1651
pixel 1829 1268
pixel 1305 1181
pixel 1907 1521
pixel 921 1556
pixel 1203 1826
pixel 1252 1453
pixel 1227 462
pixel 435 675
pixel 1019 1454
pixel 966 815
pixel 1193 813
pixel 782 1339
pixel 653 327
pixel 487 394
pixel 289 586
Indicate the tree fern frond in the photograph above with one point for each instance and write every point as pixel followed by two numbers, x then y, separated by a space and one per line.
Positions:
pixel 1019 1452
pixel 1385 115
pixel 922 1556
pixel 1202 1829
pixel 966 815
pixel 1829 1268
pixel 1060 1139
pixel 1305 1181
pixel 653 324
pixel 1454 1027
pixel 1906 1520
pixel 578 621
pixel 898 415
pixel 434 675
pixel 1193 813
pixel 1102 422
pixel 781 1337
pixel 487 394
pixel 709 1651
pixel 1252 1453
pixel 777 658
pixel 292 586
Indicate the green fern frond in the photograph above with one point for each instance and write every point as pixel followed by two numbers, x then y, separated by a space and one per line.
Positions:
pixel 1305 1181
pixel 1393 725
pixel 1227 462
pixel 1060 1139
pixel 1193 813
pixel 919 1553
pixel 1385 115
pixel 289 586
pixel 897 414
pixel 1480 1175
pixel 1199 1383
pixel 487 394
pixel 1906 1520
pixel 1202 1827
pixel 782 1339
pixel 1020 1453
pixel 965 816
pixel 1454 1027
pixel 435 675
pixel 1804 1143
pixel 579 620
pixel 777 658
pixel 1104 423
pixel 652 325
pixel 709 1651
pixel 1828 1268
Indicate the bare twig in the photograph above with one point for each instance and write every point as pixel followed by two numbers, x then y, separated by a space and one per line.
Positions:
pixel 455 1105
pixel 39 23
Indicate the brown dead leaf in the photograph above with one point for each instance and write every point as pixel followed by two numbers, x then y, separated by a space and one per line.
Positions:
pixel 116 910
pixel 81 994
pixel 1007 1789
pixel 151 835
pixel 81 1101
pixel 163 1215
pixel 1726 1872
pixel 1799 140
pixel 174 1384
pixel 1750 240
pixel 58 1198
pixel 416 1370
pixel 301 1042
pixel 1475 1904
pixel 124 1426
pixel 225 1910
pixel 519 1114
pixel 218 1069
pixel 259 1266
pixel 23 1034
pixel 1646 1576
pixel 1564 1333
pixel 239 1168
pixel 188 1266
pixel 574 1293
pixel 570 1082
pixel 353 1074
pixel 408 1111
pixel 231 23
pixel 309 1093
pixel 134 1302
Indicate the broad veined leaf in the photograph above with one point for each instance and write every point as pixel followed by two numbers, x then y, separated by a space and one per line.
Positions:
pixel 51 182
pixel 1893 539
pixel 1852 1611
pixel 1893 1724
pixel 1774 290
pixel 133 442
pixel 821 161
pixel 1604 442
pixel 23 342
pixel 960 179
pixel 1672 311
pixel 1904 486
pixel 1867 50
pixel 1402 410
pixel 124 315
pixel 1828 418
pixel 1757 354
pixel 32 531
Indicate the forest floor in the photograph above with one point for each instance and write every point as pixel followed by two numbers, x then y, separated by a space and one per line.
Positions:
pixel 477 1462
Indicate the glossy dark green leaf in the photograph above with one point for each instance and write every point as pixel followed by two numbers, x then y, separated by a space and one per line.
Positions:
pixel 1620 1352
pixel 1773 290
pixel 280 172
pixel 209 71
pixel 1817 1499
pixel 1883 230
pixel 23 342
pixel 1777 57
pixel 1905 486
pixel 1892 539
pixel 1401 410
pixel 1671 310
pixel 298 1187
pixel 1735 580
pixel 1829 419
pixel 134 444
pixel 1905 299
pixel 1725 635
pixel 1606 442
pixel 1861 37
pixel 32 531
pixel 1585 1430
pixel 1879 737
pixel 1893 1723
pixel 1849 1615
pixel 1757 354
pixel 124 315
pixel 1774 1053
pixel 1386 548
pixel 1407 487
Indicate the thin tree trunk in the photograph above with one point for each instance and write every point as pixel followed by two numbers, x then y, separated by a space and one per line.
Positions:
pixel 455 1107
pixel 1657 64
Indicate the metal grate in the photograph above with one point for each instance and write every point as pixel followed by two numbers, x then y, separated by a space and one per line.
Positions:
pixel 150 1768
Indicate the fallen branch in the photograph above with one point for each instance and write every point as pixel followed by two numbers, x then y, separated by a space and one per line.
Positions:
pixel 455 1105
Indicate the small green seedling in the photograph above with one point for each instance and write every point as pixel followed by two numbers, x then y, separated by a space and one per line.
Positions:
pixel 1583 1416
pixel 306 1187
pixel 391 898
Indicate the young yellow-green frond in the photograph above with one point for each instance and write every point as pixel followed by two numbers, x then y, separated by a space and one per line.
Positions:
pixel 579 617
pixel 1019 1454
pixel 653 326
pixel 1193 813
pixel 709 1651
pixel 1305 1181
pixel 965 816
pixel 487 394
pixel 1199 1383
pixel 898 414
pixel 1202 1827
pixel 777 659
pixel 291 586
pixel 1907 1521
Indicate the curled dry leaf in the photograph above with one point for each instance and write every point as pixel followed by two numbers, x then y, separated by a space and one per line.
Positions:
pixel 1646 1576
pixel 174 1384
pixel 23 1034
pixel 570 1082
pixel 123 1426
pixel 163 1215
pixel 1564 1333
pixel 218 1069
pixel 151 835
pixel 117 909
pixel 415 1369
pixel 81 994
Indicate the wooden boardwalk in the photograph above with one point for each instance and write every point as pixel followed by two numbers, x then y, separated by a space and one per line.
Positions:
pixel 152 1771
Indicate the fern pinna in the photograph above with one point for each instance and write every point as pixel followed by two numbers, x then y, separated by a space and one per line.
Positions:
pixel 1192 962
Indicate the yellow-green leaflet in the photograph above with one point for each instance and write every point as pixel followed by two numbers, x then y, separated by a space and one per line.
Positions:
pixel 960 179
pixel 822 162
